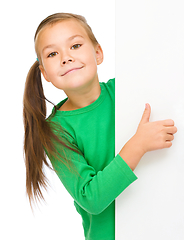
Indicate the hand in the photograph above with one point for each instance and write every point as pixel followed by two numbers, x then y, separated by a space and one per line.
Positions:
pixel 154 135
pixel 149 136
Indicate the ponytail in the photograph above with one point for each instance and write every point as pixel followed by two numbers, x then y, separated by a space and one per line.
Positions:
pixel 38 134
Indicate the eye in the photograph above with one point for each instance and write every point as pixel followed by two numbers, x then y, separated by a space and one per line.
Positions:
pixel 53 54
pixel 76 46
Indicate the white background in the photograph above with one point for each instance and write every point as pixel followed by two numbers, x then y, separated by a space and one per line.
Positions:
pixel 150 68
pixel 57 219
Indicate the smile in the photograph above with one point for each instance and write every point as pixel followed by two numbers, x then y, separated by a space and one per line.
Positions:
pixel 71 70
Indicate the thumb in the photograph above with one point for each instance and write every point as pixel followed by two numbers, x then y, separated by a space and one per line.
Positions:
pixel 146 114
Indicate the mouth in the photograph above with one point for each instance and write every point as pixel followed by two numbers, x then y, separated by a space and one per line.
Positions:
pixel 71 70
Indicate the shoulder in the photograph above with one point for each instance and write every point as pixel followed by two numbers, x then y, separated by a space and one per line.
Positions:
pixel 110 86
pixel 111 83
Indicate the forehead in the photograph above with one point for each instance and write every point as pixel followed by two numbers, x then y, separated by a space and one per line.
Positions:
pixel 63 29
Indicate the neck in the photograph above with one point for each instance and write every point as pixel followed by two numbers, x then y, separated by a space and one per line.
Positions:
pixel 82 97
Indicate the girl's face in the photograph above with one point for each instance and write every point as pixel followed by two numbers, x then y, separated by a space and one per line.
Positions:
pixel 68 57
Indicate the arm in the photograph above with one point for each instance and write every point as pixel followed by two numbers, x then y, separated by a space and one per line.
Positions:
pixel 93 191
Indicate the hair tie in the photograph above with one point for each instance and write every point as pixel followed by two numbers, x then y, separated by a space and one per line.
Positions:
pixel 37 59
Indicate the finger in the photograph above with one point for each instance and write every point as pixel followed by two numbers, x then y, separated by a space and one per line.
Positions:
pixel 168 122
pixel 171 130
pixel 169 137
pixel 146 114
pixel 168 144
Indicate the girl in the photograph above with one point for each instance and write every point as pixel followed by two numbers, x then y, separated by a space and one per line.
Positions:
pixel 79 135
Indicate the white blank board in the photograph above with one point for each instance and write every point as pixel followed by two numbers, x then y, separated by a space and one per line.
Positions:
pixel 150 69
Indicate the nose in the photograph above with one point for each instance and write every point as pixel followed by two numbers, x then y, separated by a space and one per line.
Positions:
pixel 66 58
pixel 66 61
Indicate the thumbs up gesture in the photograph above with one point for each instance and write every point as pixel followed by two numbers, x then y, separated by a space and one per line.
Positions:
pixel 149 136
pixel 155 135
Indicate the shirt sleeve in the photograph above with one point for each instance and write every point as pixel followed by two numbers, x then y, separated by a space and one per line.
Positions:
pixel 93 191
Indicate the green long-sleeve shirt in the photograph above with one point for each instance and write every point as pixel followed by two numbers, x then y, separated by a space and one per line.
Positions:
pixel 96 177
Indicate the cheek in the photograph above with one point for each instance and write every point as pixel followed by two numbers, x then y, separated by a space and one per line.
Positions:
pixel 93 65
pixel 49 70
pixel 91 61
pixel 89 55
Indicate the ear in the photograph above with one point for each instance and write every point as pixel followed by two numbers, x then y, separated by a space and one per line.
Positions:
pixel 99 54
pixel 44 73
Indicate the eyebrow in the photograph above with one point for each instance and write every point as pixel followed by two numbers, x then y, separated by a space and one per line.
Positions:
pixel 74 36
pixel 69 39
